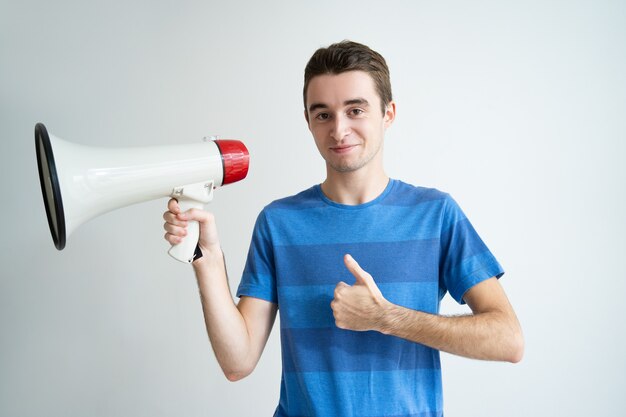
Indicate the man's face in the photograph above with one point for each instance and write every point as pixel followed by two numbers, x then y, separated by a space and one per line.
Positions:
pixel 344 115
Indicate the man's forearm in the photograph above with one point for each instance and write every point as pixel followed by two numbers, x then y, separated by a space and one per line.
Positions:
pixel 492 332
pixel 491 335
pixel 225 325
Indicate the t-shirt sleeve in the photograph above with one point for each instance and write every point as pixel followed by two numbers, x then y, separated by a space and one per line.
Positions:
pixel 465 259
pixel 258 279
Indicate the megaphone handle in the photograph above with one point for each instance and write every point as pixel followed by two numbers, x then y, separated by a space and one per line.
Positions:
pixel 184 251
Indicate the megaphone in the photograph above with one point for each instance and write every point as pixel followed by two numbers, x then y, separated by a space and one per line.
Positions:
pixel 81 182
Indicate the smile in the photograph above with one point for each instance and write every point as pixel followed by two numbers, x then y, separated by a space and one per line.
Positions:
pixel 343 148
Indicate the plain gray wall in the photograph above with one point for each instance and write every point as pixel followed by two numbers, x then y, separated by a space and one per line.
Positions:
pixel 518 109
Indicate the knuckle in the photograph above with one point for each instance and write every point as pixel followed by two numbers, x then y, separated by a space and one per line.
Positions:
pixel 171 239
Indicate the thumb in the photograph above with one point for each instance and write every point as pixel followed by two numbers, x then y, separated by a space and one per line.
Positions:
pixel 208 238
pixel 362 276
pixel 194 214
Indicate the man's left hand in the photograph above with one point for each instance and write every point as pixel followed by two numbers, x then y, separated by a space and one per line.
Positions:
pixel 360 306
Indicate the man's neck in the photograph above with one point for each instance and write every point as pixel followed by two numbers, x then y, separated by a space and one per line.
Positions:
pixel 354 188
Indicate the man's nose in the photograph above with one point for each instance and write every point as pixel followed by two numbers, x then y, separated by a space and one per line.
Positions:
pixel 340 128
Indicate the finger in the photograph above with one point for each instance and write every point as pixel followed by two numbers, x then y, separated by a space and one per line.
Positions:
pixel 173 206
pixel 173 240
pixel 175 230
pixel 172 218
pixel 197 215
pixel 339 287
pixel 359 273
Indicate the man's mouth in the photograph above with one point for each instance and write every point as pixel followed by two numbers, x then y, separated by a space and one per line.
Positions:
pixel 343 148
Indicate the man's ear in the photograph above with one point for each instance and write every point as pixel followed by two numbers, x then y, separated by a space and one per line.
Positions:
pixel 390 113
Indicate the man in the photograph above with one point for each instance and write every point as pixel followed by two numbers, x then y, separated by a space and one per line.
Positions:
pixel 357 265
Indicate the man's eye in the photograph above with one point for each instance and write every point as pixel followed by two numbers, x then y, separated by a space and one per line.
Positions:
pixel 322 116
pixel 356 112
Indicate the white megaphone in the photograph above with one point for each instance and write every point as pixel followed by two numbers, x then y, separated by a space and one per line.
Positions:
pixel 81 182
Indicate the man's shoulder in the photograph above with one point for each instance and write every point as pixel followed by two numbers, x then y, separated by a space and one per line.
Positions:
pixel 309 198
pixel 405 194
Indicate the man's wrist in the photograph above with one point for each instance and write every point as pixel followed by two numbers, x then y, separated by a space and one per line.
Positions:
pixel 211 256
pixel 391 316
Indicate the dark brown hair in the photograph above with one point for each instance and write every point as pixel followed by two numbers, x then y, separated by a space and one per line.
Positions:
pixel 350 56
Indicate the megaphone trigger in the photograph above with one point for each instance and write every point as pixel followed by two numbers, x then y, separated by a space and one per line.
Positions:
pixel 190 196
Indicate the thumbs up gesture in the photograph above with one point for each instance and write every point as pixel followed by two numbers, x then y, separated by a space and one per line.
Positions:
pixel 360 306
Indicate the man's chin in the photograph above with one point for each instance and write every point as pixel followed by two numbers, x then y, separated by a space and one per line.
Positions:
pixel 345 168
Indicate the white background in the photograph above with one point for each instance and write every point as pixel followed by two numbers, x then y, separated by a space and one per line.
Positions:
pixel 515 108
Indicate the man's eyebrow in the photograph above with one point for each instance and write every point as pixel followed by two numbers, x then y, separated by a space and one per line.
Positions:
pixel 316 106
pixel 360 101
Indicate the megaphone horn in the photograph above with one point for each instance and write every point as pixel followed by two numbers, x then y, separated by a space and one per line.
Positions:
pixel 81 182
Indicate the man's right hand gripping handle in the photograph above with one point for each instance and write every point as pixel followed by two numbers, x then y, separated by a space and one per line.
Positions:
pixel 176 223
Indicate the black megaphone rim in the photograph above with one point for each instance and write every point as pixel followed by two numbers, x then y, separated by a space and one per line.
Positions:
pixel 42 140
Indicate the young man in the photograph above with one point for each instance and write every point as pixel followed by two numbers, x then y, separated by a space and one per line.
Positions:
pixel 357 265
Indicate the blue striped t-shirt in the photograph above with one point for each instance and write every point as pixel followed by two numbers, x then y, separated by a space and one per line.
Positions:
pixel 416 243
